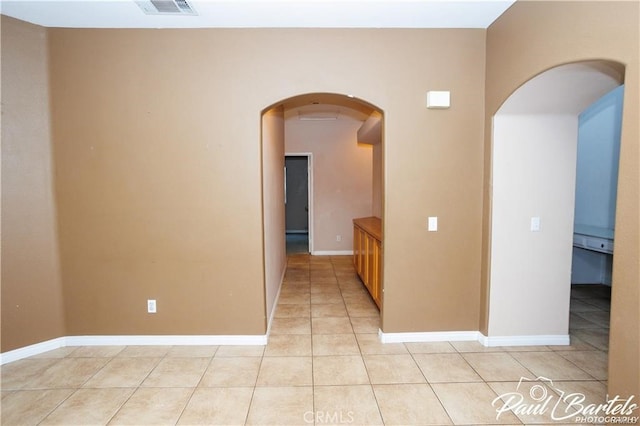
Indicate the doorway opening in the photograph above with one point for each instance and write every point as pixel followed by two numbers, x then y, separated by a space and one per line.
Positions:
pixel 341 139
pixel 533 204
pixel 298 197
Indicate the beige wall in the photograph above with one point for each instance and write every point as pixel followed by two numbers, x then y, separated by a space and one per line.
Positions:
pixel 159 183
pixel 32 308
pixel 341 177
pixel 532 37
pixel 433 167
pixel 534 167
pixel 377 202
pixel 275 259
pixel 159 169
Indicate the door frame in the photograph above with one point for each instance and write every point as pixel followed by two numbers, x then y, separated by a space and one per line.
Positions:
pixel 309 156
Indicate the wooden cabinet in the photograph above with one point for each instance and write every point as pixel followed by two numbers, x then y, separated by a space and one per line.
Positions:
pixel 367 254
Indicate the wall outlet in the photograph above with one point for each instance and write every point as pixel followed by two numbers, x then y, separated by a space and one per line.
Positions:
pixel 432 224
pixel 151 306
pixel 338 238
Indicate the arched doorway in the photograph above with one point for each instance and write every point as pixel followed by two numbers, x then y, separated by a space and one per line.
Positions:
pixel 534 150
pixel 344 147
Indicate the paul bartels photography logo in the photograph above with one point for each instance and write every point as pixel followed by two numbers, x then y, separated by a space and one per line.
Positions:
pixel 541 397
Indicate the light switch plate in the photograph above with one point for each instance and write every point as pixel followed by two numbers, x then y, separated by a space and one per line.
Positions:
pixel 432 223
pixel 535 224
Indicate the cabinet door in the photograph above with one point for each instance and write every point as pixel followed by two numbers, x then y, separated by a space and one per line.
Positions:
pixel 356 248
pixel 377 273
pixel 371 264
pixel 359 247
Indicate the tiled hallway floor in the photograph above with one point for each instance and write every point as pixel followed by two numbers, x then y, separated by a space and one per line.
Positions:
pixel 323 365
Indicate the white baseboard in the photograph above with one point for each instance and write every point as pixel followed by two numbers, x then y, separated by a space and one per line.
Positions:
pixel 31 350
pixel 466 336
pixel 541 340
pixel 430 336
pixel 333 253
pixel 261 340
pixel 173 340
pixel 275 302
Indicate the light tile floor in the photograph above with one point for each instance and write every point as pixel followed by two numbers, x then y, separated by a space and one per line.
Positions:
pixel 323 365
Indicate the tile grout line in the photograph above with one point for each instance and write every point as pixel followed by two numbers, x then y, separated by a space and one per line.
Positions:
pixel 197 385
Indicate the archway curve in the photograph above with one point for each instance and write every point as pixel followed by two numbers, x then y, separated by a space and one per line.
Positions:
pixel 534 145
pixel 566 88
pixel 315 106
pixel 326 98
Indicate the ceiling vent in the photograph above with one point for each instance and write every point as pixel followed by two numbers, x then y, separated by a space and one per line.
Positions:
pixel 166 7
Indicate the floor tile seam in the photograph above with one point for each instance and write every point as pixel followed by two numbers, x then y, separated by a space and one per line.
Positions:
pixel 96 372
pixel 583 315
pixel 140 385
pixel 417 365
pixel 497 352
pixel 253 393
pixel 313 395
pixel 486 383
pixel 597 327
pixel 117 410
pixel 580 368
pixel 587 301
pixel 278 386
pixel 444 408
pixel 574 364
pixel 224 386
pixel 533 374
pixel 580 351
pixel 204 372
pixel 77 348
pixel 75 390
pixel 375 398
pixel 193 391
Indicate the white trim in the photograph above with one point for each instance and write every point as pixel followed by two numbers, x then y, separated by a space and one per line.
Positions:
pixel 174 340
pixel 177 340
pixel 429 336
pixel 31 350
pixel 468 336
pixel 333 253
pixel 542 340
pixel 275 302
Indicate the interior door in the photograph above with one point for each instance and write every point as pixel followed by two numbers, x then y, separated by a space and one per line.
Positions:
pixel 297 194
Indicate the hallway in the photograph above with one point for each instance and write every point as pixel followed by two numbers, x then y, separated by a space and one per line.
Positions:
pixel 323 364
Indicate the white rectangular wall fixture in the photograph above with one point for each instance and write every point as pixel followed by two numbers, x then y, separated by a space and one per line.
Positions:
pixel 535 224
pixel 438 99
pixel 432 224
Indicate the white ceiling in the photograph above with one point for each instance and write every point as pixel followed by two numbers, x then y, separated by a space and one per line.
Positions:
pixel 263 14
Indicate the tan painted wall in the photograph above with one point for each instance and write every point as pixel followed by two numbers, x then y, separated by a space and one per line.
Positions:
pixel 532 37
pixel 341 177
pixel 32 308
pixel 159 183
pixel 275 258
pixel 377 181
pixel 157 138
